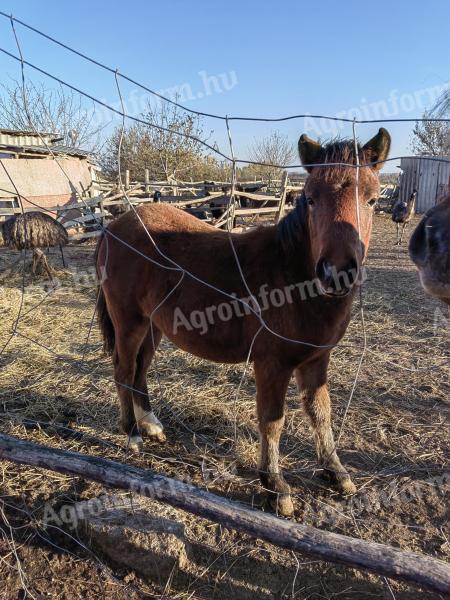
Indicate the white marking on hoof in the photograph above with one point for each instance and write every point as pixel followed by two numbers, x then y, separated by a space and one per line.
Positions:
pixel 149 424
pixel 135 444
pixel 347 487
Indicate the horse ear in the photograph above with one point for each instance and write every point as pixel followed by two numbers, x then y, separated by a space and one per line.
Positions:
pixel 378 147
pixel 309 151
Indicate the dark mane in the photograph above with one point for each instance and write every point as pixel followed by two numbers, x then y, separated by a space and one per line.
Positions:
pixel 292 228
pixel 340 151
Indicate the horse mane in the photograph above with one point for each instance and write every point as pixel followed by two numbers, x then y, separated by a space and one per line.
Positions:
pixel 291 230
pixel 340 151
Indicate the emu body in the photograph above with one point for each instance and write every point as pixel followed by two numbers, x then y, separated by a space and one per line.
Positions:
pixel 402 213
pixel 34 231
pixel 139 301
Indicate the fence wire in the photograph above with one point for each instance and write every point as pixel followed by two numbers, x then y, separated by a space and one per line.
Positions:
pixel 173 265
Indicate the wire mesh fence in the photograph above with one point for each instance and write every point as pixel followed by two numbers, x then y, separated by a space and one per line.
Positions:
pixel 166 262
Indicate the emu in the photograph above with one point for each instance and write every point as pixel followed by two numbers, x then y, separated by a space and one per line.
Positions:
pixel 402 212
pixel 32 231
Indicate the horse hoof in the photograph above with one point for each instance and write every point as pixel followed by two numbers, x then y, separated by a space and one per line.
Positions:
pixel 152 432
pixel 347 487
pixel 151 427
pixel 135 444
pixel 281 505
pixel 159 437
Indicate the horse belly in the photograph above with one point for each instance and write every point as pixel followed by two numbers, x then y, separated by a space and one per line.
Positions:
pixel 218 343
pixel 208 346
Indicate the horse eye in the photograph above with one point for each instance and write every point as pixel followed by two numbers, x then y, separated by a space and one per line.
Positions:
pixel 310 201
pixel 372 201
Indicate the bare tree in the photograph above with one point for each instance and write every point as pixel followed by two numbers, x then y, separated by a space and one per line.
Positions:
pixel 57 111
pixel 275 149
pixel 431 137
pixel 170 146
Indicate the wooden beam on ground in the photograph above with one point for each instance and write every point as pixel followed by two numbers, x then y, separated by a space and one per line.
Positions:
pixel 424 571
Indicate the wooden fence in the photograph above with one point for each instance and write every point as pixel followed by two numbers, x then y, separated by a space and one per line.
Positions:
pixel 85 217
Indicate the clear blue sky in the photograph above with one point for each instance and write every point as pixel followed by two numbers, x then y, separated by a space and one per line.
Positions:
pixel 279 58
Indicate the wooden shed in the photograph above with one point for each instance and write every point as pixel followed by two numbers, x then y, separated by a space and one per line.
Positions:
pixel 431 179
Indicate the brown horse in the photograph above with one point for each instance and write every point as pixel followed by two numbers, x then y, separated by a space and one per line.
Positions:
pixel 429 249
pixel 302 271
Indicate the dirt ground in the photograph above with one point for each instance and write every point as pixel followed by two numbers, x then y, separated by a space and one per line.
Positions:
pixel 56 389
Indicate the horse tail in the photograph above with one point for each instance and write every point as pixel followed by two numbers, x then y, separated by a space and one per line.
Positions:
pixel 103 318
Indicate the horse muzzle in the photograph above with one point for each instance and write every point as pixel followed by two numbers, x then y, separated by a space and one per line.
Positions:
pixel 337 281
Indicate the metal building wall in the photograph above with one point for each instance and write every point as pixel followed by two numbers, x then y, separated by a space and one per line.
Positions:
pixel 431 178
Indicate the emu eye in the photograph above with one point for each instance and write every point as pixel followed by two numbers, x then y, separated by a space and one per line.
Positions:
pixel 372 202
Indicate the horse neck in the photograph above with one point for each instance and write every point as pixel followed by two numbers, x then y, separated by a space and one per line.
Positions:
pixel 294 246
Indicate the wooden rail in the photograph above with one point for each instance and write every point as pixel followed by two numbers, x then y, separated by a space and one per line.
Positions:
pixel 424 571
pixel 96 208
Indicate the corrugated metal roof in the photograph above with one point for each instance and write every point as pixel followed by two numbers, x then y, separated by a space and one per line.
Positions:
pixel 14 137
pixel 57 149
pixel 28 132
pixel 70 150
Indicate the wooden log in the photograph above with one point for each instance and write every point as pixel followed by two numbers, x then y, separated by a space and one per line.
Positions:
pixel 424 571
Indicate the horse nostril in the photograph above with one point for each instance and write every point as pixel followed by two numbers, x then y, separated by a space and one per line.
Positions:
pixel 324 271
pixel 334 279
pixel 352 271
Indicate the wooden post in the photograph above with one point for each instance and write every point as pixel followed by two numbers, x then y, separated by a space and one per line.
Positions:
pixel 101 207
pixel 147 181
pixel 425 571
pixel 127 187
pixel 284 182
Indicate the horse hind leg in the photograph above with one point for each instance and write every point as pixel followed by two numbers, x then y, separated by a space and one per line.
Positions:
pixel 148 423
pixel 129 334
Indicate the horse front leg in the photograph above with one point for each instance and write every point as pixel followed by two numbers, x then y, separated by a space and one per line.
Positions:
pixel 312 384
pixel 271 386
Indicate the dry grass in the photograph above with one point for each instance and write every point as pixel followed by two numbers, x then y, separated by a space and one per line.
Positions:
pixel 396 433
